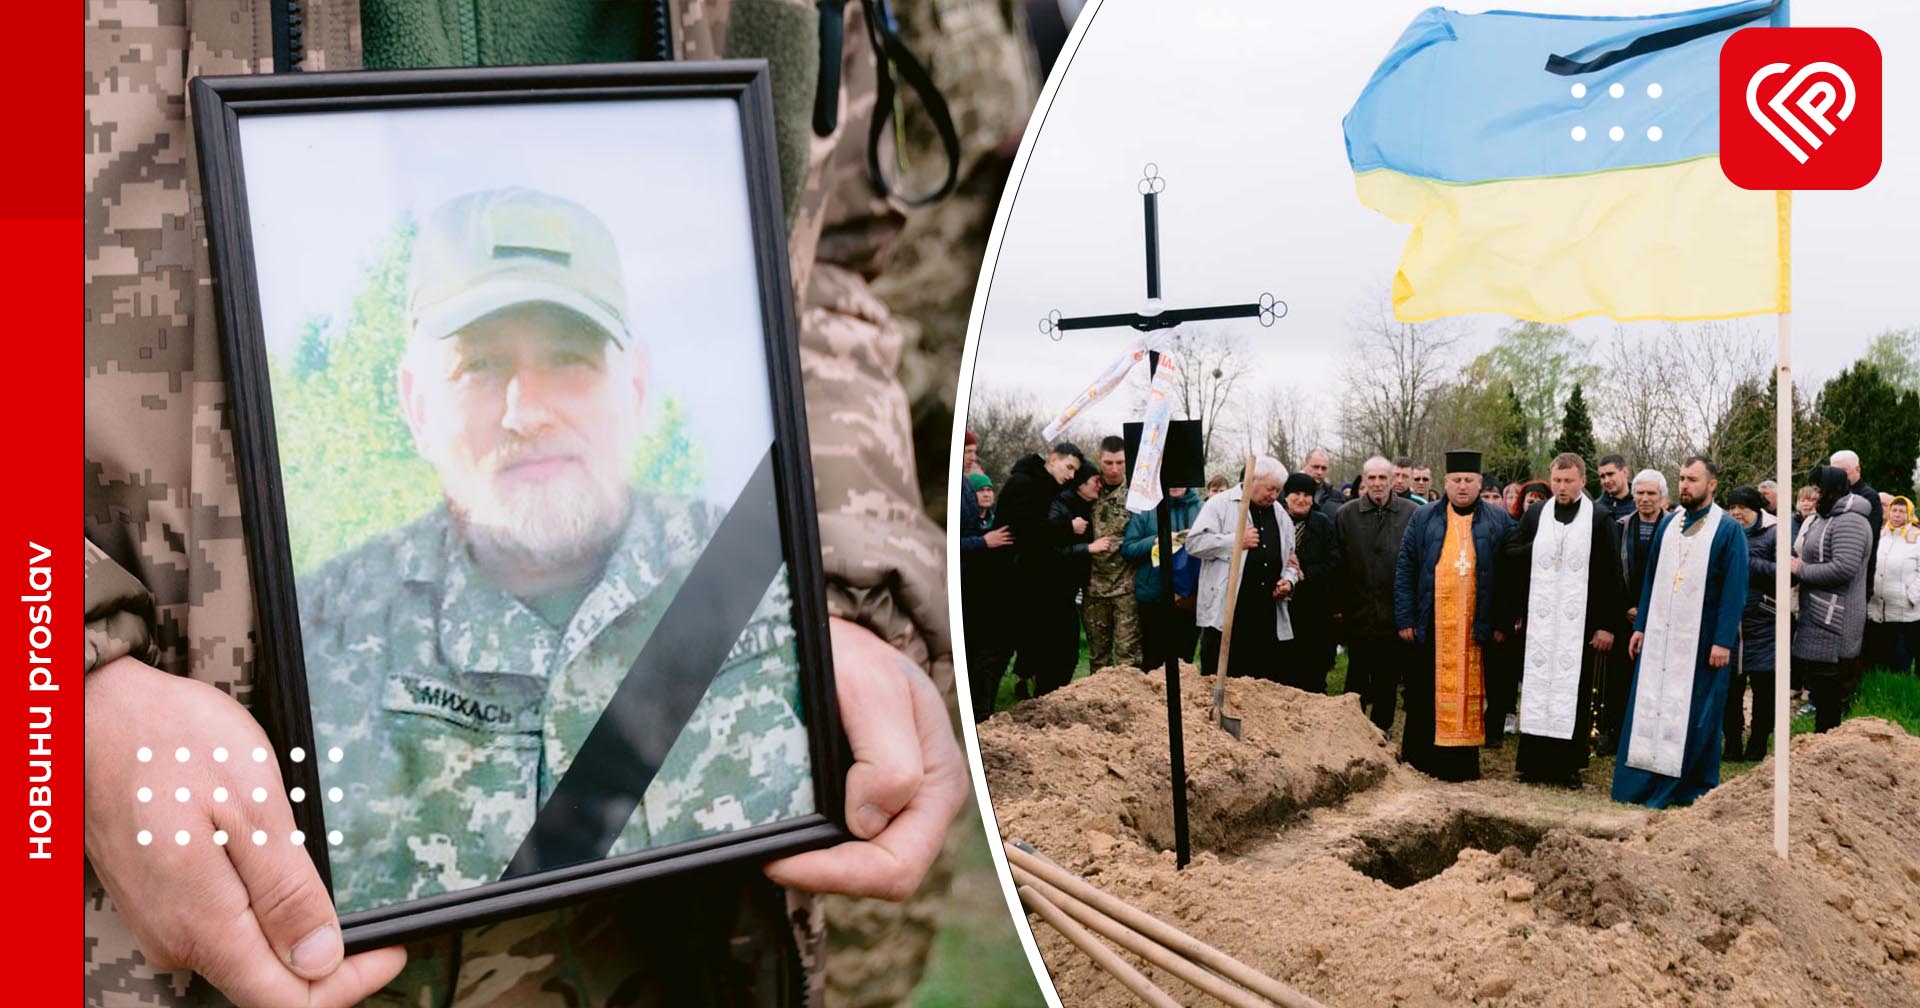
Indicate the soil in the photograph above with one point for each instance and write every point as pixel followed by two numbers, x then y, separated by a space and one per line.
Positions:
pixel 1322 861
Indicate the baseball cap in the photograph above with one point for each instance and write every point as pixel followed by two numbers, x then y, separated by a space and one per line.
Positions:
pixel 484 251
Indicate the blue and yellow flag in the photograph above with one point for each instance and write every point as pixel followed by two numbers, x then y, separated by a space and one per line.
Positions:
pixel 1555 167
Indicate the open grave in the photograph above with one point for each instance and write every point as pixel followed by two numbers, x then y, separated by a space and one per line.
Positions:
pixel 1323 862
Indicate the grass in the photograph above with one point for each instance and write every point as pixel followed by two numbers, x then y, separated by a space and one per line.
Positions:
pixel 977 961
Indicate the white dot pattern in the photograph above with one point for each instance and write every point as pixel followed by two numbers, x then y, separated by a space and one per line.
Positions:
pixel 1579 133
pixel 143 838
pixel 220 754
pixel 259 838
pixel 182 837
pixel 144 794
pixel 181 794
pixel 1616 90
pixel 219 794
pixel 182 755
pixel 335 837
pixel 1654 134
pixel 297 754
pixel 298 794
pixel 143 754
pixel 1653 90
pixel 1579 90
pixel 259 794
pixel 335 794
pixel 334 755
pixel 297 838
pixel 220 838
pixel 259 755
pixel 1616 134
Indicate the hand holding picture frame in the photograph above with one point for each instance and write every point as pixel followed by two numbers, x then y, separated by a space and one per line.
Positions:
pixel 526 484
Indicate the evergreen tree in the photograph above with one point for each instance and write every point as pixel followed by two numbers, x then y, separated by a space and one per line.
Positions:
pixel 1743 443
pixel 1866 413
pixel 1576 436
pixel 1511 458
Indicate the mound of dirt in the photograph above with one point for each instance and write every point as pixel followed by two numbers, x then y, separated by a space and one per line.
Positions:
pixel 1087 766
pixel 1360 882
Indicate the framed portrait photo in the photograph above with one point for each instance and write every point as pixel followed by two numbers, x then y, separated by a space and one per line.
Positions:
pixel 525 479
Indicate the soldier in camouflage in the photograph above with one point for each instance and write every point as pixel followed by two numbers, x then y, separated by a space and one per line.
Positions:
pixel 170 621
pixel 457 664
pixel 1113 624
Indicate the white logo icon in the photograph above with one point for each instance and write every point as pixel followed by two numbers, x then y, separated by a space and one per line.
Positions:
pixel 1814 103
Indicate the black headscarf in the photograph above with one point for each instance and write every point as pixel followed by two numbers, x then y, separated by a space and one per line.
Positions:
pixel 1834 487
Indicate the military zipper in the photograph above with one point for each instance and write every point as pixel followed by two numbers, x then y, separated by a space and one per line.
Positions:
pixel 467 26
pixel 288 32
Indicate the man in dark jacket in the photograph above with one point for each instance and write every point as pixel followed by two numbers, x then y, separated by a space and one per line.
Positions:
pixel 1367 534
pixel 1316 556
pixel 1068 546
pixel 1616 492
pixel 1753 661
pixel 1025 499
pixel 1327 498
pixel 1443 604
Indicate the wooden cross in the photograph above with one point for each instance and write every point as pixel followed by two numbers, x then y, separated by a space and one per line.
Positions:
pixel 1267 310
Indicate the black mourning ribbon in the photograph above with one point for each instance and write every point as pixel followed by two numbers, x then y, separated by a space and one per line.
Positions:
pixel 1577 63
pixel 596 797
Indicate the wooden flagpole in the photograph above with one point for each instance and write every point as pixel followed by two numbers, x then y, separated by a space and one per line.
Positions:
pixel 1783 497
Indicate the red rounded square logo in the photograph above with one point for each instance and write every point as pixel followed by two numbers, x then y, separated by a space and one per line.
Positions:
pixel 1800 108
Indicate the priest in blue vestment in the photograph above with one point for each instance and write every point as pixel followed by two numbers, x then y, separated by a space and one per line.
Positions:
pixel 1683 641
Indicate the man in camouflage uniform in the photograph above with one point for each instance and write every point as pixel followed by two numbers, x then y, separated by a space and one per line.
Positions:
pixel 171 626
pixel 457 664
pixel 1113 624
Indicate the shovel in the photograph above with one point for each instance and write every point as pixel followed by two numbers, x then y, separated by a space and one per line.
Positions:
pixel 1219 714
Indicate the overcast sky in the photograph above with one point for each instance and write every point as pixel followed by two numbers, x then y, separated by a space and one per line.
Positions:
pixel 1239 103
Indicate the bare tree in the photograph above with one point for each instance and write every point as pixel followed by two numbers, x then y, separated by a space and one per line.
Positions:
pixel 1631 401
pixel 1391 381
pixel 1284 423
pixel 1709 366
pixel 1008 426
pixel 1213 362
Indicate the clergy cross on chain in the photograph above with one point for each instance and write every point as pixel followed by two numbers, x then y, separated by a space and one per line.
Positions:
pixel 1268 310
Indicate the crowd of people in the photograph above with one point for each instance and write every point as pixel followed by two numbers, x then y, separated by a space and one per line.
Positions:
pixel 1637 624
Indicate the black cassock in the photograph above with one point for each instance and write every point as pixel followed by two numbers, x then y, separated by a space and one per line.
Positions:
pixel 1543 758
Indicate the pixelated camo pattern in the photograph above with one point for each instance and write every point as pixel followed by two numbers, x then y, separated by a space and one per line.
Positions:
pixel 457 708
pixel 167 577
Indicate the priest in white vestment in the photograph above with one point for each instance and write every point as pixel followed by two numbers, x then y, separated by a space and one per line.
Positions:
pixel 1683 638
pixel 1567 596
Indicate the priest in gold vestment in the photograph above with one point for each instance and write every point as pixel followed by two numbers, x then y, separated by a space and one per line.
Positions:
pixel 1443 593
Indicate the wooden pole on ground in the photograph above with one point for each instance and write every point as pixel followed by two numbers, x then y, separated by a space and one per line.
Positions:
pixel 1132 941
pixel 1158 930
pixel 1233 595
pixel 1102 956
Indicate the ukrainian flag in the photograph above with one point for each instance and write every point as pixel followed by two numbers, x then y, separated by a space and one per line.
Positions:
pixel 1556 167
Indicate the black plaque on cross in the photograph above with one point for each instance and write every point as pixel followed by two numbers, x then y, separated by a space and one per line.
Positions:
pixel 1267 310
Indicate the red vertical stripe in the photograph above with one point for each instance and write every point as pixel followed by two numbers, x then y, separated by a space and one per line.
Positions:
pixel 41 560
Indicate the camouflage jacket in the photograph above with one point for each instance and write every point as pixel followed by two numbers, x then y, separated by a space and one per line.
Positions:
pixel 1112 575
pixel 166 575
pixel 456 708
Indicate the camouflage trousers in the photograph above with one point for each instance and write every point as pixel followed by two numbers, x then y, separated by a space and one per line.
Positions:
pixel 1113 631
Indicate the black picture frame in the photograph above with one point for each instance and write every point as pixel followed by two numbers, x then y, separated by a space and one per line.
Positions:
pixel 220 105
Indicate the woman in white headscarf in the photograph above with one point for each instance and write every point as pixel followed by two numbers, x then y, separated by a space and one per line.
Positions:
pixel 1894 610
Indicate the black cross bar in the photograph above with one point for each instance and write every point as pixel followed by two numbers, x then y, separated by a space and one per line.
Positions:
pixel 1268 310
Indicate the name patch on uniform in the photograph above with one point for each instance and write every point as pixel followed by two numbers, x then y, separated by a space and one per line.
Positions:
pixel 506 707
